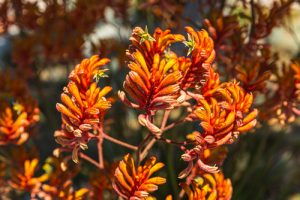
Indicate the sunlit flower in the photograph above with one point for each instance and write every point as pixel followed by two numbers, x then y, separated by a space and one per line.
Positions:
pixel 152 84
pixel 150 45
pixel 224 112
pixel 136 184
pixel 201 48
pixel 84 105
pixel 209 187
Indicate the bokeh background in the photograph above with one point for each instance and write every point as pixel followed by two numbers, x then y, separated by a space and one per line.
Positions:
pixel 42 40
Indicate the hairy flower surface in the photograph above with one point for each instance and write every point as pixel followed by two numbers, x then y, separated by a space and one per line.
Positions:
pixel 152 84
pixel 224 112
pixel 209 187
pixel 150 45
pixel 83 105
pixel 25 179
pixel 136 184
pixel 201 48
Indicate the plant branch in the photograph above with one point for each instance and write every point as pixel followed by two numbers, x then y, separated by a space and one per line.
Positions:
pixel 121 143
pixel 100 148
pixel 138 152
pixel 170 126
pixel 150 144
pixel 147 148
pixel 89 159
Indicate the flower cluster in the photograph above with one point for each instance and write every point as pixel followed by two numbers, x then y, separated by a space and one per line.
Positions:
pixel 218 83
pixel 84 105
pixel 132 183
pixel 18 110
pixel 152 83
pixel 161 80
pixel 209 187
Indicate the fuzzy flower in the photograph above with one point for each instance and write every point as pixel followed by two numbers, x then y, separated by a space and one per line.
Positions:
pixel 209 187
pixel 202 54
pixel 83 105
pixel 223 114
pixel 136 184
pixel 26 180
pixel 150 45
pixel 152 83
pixel 14 123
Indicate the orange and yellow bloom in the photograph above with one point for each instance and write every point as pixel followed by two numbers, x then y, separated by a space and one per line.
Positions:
pixel 209 187
pixel 136 184
pixel 84 105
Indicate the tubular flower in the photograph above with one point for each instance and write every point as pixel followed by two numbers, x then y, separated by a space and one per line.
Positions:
pixel 223 115
pixel 25 180
pixel 152 84
pixel 201 48
pixel 222 121
pixel 143 42
pixel 209 187
pixel 13 127
pixel 59 185
pixel 134 184
pixel 15 119
pixel 151 87
pixel 14 122
pixel 65 192
pixel 83 105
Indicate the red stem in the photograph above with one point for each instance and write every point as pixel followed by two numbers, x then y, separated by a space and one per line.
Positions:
pixel 89 159
pixel 121 143
pixel 100 148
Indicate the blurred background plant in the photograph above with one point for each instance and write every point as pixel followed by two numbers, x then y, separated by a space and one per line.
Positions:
pixel 256 42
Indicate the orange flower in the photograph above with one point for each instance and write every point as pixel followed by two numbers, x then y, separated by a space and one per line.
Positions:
pixel 26 180
pixel 149 46
pixel 152 84
pixel 13 127
pixel 201 48
pixel 14 123
pixel 209 187
pixel 224 113
pixel 223 120
pixel 130 183
pixel 84 105
pixel 15 119
pixel 65 192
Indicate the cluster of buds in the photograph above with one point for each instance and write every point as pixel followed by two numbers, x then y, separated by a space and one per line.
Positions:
pixel 18 111
pixel 84 105
pixel 223 114
pixel 136 184
pixel 160 80
pixel 26 180
pixel 152 83
pixel 53 184
pixel 209 186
